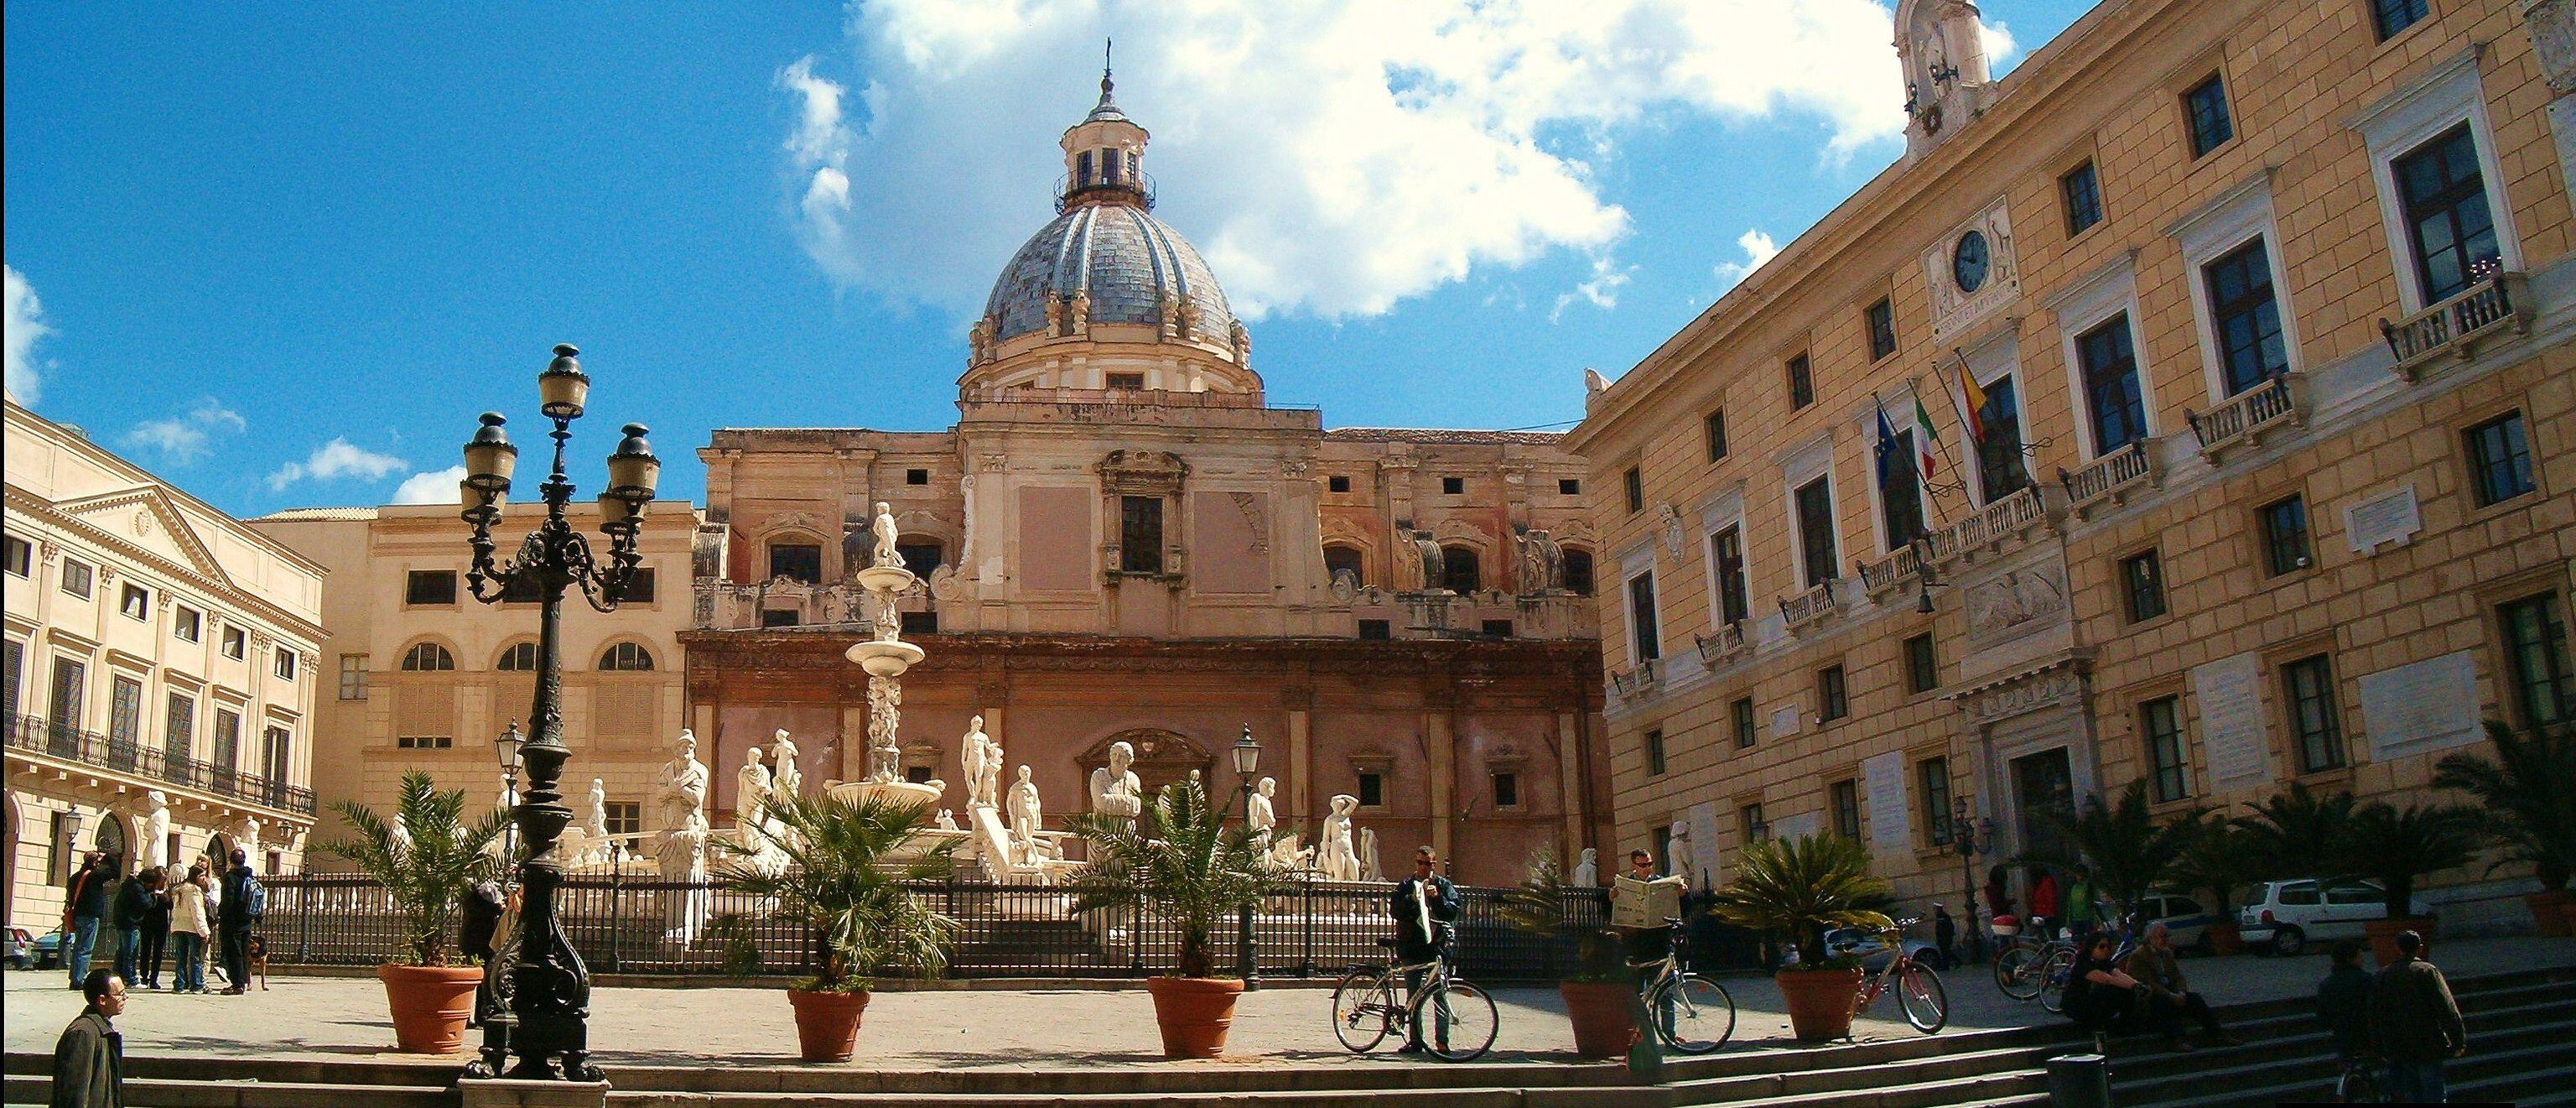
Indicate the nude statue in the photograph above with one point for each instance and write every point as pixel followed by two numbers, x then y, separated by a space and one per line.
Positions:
pixel 1026 819
pixel 750 795
pixel 1338 856
pixel 1116 791
pixel 990 788
pixel 784 778
pixel 884 554
pixel 974 756
pixel 1263 816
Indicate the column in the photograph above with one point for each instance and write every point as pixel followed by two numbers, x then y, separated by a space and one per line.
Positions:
pixel 1570 798
pixel 1301 761
pixel 1438 744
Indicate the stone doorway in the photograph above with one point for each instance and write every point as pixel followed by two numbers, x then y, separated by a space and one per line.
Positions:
pixel 2043 785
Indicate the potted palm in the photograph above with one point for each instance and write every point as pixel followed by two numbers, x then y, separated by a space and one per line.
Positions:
pixel 847 863
pixel 427 858
pixel 2527 800
pixel 2121 844
pixel 1801 888
pixel 2397 845
pixel 2297 832
pixel 1187 865
pixel 1597 987
pixel 2220 859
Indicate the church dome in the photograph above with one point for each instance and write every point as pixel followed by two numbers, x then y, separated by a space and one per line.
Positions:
pixel 1128 262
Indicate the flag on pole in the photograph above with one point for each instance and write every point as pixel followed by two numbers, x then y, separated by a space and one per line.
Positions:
pixel 1886 438
pixel 1971 401
pixel 1924 436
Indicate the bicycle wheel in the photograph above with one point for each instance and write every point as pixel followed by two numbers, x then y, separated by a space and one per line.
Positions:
pixel 2052 978
pixel 1458 1022
pixel 2017 972
pixel 2359 1085
pixel 1693 1015
pixel 1362 1004
pixel 1925 1000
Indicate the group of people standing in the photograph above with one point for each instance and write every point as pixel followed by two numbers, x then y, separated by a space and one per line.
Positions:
pixel 171 913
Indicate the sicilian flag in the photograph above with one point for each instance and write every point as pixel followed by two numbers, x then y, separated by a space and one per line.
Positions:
pixel 1970 400
pixel 1924 436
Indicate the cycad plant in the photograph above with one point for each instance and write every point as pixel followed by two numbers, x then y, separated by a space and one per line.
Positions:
pixel 1801 888
pixel 1538 907
pixel 1182 860
pixel 431 865
pixel 2397 845
pixel 2120 844
pixel 2220 859
pixel 2526 798
pixel 2297 831
pixel 847 864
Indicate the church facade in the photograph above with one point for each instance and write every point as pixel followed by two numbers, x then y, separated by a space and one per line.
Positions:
pixel 1120 540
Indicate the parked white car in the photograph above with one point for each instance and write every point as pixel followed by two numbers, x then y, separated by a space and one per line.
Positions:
pixel 2182 916
pixel 2283 917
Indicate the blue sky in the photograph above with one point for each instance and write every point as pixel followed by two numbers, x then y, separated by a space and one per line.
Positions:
pixel 284 261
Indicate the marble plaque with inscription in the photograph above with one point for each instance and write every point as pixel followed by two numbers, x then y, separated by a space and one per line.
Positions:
pixel 1883 776
pixel 2419 708
pixel 2390 517
pixel 2230 693
pixel 1784 722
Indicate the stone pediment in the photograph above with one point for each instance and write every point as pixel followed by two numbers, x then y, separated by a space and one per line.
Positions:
pixel 2059 681
pixel 144 516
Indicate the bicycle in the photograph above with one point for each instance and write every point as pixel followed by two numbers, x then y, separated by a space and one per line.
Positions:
pixel 2360 1081
pixel 1365 1008
pixel 2060 965
pixel 1918 987
pixel 2019 964
pixel 1692 1014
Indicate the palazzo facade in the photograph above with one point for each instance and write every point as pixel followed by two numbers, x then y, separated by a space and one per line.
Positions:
pixel 1120 540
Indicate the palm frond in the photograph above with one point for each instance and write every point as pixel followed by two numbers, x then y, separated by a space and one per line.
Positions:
pixel 2122 845
pixel 2526 797
pixel 847 865
pixel 444 861
pixel 1182 861
pixel 1802 887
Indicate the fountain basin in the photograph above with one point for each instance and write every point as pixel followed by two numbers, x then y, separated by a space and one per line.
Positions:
pixel 885 659
pixel 882 579
pixel 892 792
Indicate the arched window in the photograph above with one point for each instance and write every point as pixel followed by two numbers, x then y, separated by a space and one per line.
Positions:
pixel 427 657
pixel 1339 558
pixel 1458 570
pixel 626 657
pixel 1578 571
pixel 518 657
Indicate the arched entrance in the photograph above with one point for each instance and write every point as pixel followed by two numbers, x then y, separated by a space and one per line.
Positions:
pixel 1162 758
pixel 110 840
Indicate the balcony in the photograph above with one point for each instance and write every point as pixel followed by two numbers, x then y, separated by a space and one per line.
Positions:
pixel 2246 417
pixel 1887 573
pixel 2456 326
pixel 1637 680
pixel 1728 643
pixel 2109 479
pixel 40 736
pixel 2009 518
pixel 1808 608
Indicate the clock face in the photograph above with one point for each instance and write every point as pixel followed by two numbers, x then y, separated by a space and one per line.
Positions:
pixel 1968 261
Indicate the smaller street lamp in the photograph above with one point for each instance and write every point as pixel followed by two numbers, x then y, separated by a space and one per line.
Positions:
pixel 505 747
pixel 1247 760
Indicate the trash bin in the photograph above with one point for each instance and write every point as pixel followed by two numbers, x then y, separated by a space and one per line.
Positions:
pixel 2079 1081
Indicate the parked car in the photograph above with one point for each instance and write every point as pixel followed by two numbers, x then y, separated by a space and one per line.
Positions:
pixel 2283 917
pixel 1865 942
pixel 2181 915
pixel 41 952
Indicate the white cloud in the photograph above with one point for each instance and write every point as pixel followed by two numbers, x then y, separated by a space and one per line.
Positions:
pixel 1758 248
pixel 1602 291
pixel 437 486
pixel 333 460
pixel 25 325
pixel 1329 157
pixel 183 439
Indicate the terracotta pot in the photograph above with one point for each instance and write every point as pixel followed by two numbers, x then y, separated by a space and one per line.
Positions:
pixel 2224 938
pixel 2383 935
pixel 1599 1010
pixel 827 1023
pixel 430 1005
pixel 1194 1012
pixel 2549 910
pixel 1819 1001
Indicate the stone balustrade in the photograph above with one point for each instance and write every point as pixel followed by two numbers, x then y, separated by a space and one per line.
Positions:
pixel 2456 326
pixel 1729 641
pixel 2108 479
pixel 2247 416
pixel 2009 517
pixel 1886 573
pixel 1810 607
pixel 1637 680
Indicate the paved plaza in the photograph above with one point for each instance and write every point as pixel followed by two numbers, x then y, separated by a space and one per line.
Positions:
pixel 329 1017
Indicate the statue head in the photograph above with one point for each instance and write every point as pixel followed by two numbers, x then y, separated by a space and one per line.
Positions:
pixel 598 786
pixel 1120 756
pixel 975 724
pixel 751 756
pixel 1344 804
pixel 1024 774
pixel 884 509
pixel 779 735
pixel 686 746
pixel 156 798
pixel 1268 787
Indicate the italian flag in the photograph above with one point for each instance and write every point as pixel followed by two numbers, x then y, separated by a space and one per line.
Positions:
pixel 1924 436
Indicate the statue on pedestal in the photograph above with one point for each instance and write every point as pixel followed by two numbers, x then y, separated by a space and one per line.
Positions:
pixel 683 791
pixel 1284 854
pixel 885 555
pixel 1263 817
pixel 1026 819
pixel 1677 855
pixel 156 830
pixel 1587 871
pixel 249 841
pixel 990 788
pixel 1338 856
pixel 975 756
pixel 398 839
pixel 1370 868
pixel 1116 791
pixel 784 778
pixel 750 801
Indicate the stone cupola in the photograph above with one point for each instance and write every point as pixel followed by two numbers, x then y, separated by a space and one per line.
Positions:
pixel 1942 50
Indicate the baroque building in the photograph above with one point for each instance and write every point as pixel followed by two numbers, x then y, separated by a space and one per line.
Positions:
pixel 161 664
pixel 2193 405
pixel 1122 540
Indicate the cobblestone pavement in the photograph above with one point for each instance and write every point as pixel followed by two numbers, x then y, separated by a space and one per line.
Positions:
pixel 1035 1028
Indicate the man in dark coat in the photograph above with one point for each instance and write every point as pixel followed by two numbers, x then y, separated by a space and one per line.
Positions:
pixel 84 907
pixel 89 1060
pixel 2415 1023
pixel 2343 1000
pixel 234 921
pixel 133 908
pixel 1425 907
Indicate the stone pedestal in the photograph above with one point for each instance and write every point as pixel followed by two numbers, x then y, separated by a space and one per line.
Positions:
pixel 507 1093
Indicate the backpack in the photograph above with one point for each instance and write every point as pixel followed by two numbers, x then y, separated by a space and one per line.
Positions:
pixel 255 904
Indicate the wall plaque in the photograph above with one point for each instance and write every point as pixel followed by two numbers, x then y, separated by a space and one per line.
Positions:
pixel 2390 517
pixel 1884 776
pixel 2230 692
pixel 2420 708
pixel 1784 722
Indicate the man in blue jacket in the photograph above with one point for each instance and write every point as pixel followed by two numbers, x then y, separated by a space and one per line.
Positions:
pixel 1425 907
pixel 234 921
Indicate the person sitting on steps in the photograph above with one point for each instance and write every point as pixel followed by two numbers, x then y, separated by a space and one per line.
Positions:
pixel 2153 964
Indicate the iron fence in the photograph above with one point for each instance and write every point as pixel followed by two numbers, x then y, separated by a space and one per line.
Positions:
pixel 632 924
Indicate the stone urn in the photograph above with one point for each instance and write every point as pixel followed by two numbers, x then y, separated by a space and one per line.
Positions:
pixel 1194 1013
pixel 430 1005
pixel 827 1023
pixel 1819 1001
pixel 1603 1027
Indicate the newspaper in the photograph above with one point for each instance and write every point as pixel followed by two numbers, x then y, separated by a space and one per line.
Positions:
pixel 1644 904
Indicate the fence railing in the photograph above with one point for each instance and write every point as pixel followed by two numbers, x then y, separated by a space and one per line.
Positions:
pixel 38 735
pixel 2107 478
pixel 623 924
pixel 2455 326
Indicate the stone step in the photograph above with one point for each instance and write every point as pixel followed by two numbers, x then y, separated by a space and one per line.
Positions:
pixel 1359 1078
pixel 2312 1037
pixel 1839 1079
pixel 2211 1072
pixel 2544 1066
pixel 2007 1085
pixel 147 1092
pixel 1469 1097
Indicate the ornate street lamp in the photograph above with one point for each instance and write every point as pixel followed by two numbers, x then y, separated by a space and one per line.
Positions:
pixel 505 746
pixel 1247 760
pixel 550 988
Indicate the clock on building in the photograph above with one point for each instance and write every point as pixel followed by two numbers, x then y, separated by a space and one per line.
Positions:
pixel 1968 261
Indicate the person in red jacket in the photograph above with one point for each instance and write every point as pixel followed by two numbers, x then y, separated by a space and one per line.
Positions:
pixel 2043 895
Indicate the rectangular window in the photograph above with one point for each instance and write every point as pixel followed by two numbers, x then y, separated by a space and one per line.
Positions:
pixel 1844 798
pixel 1741 716
pixel 1900 490
pixel 778 617
pixel 1569 486
pixel 1130 382
pixel 2160 726
pixel 353 677
pixel 285 664
pixel 67 710
pixel 1644 635
pixel 424 742
pixel 1734 598
pixel 179 732
pixel 1802 382
pixel 1932 776
pixel 2499 459
pixel 796 561
pixel 76 574
pixel 625 817
pixel 917 623
pixel 1654 752
pixel 227 741
pixel 2142 585
pixel 1453 486
pixel 275 755
pixel 1833 702
pixel 916 477
pixel 18 555
pixel 2001 469
pixel 2206 108
pixel 1922 664
pixel 1337 483
pixel 2444 196
pixel 429 586
pixel 2245 317
pixel 1882 329
pixel 236 643
pixel 526 589
pixel 1497 629
pixel 1376 629
pixel 1507 790
pixel 918 775
pixel 2110 365
pixel 2535 641
pixel 2393 16
pixel 1818 557
pixel 1636 485
pixel 2309 684
pixel 124 720
pixel 2285 535
pixel 1750 825
pixel 1714 424
pixel 134 602
pixel 1372 792
pixel 2081 191
pixel 15 653
pixel 922 558
pixel 1140 534
pixel 641 586
pixel 187 624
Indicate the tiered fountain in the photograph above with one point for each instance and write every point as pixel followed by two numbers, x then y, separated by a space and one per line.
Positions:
pixel 885 656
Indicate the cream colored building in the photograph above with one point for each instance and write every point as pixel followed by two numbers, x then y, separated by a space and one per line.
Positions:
pixel 155 646
pixel 417 674
pixel 2270 305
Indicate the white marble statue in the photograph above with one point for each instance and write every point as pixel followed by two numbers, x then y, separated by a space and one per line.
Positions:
pixel 249 841
pixel 885 555
pixel 1026 818
pixel 973 756
pixel 156 829
pixel 681 854
pixel 1371 869
pixel 1116 791
pixel 1338 856
pixel 683 791
pixel 596 825
pixel 784 778
pixel 750 801
pixel 1677 854
pixel 1587 871
pixel 1284 854
pixel 398 839
pixel 947 820
pixel 1263 816
pixel 990 788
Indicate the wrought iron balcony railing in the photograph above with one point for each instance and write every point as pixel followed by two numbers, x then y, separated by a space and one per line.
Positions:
pixel 37 735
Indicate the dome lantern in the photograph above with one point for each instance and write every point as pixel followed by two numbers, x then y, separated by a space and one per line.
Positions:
pixel 1104 155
